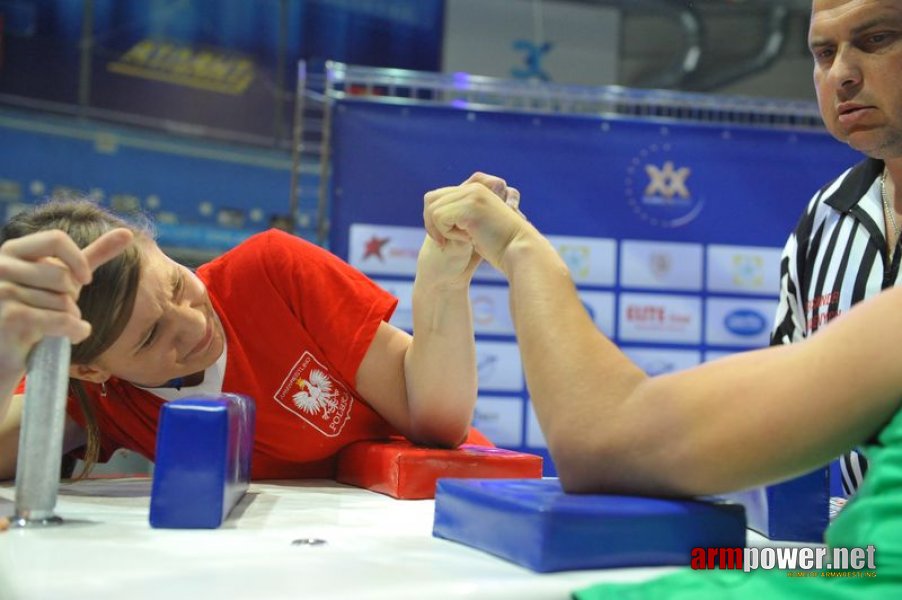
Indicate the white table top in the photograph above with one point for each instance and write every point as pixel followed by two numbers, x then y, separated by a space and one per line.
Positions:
pixel 375 547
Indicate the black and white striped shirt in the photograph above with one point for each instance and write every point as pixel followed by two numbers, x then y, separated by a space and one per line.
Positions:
pixel 835 258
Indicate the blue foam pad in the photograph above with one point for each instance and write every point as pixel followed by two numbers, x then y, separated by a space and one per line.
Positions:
pixel 796 510
pixel 203 459
pixel 533 523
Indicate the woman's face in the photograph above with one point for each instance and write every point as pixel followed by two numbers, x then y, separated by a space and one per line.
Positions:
pixel 173 330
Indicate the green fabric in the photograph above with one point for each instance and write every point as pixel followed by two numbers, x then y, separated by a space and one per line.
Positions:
pixel 872 517
pixel 874 514
pixel 760 585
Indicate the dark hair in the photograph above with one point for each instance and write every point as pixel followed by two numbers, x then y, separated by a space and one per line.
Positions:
pixel 107 302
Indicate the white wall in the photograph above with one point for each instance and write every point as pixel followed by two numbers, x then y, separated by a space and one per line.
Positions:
pixel 487 37
pixel 604 44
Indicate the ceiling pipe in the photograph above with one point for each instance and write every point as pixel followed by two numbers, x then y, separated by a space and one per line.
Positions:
pixel 684 72
pixel 771 49
pixel 686 62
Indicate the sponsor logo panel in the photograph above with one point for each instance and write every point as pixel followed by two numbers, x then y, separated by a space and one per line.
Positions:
pixel 384 249
pixel 534 436
pixel 738 322
pixel 498 365
pixel 600 306
pixel 592 261
pixel 491 313
pixel 500 419
pixel 743 269
pixel 661 265
pixel 402 318
pixel 660 318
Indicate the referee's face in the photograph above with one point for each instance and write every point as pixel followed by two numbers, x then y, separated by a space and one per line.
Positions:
pixel 857 51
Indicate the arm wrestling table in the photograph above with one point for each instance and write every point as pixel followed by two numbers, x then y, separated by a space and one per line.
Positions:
pixel 373 547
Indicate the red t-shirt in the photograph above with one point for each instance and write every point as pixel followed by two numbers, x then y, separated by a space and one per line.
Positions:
pixel 298 321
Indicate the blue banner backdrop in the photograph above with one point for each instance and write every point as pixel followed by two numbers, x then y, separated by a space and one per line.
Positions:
pixel 580 175
pixel 216 63
pixel 667 193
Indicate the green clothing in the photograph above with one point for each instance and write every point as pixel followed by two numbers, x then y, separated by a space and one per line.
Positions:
pixel 872 517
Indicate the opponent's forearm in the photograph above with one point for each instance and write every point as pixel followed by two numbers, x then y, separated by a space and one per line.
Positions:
pixel 440 364
pixel 578 379
pixel 609 427
pixel 718 427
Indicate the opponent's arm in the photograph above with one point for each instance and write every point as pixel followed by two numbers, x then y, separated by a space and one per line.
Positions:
pixel 741 421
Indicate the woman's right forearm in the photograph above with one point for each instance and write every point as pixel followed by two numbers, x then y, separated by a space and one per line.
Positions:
pixel 8 385
pixel 9 435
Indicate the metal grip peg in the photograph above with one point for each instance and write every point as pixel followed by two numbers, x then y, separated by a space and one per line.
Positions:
pixel 41 433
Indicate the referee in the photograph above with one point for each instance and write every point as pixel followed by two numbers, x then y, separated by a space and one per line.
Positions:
pixel 845 247
pixel 839 254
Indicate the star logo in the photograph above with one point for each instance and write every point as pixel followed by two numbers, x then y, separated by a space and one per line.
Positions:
pixel 373 247
pixel 667 181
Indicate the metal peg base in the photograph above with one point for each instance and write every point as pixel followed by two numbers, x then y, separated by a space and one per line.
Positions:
pixel 26 523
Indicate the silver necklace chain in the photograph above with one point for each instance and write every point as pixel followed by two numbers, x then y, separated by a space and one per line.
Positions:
pixel 891 211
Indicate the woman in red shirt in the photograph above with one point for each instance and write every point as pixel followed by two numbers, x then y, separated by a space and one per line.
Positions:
pixel 276 318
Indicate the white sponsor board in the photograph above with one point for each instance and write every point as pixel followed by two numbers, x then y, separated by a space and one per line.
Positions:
pixel 500 419
pixel 661 265
pixel 402 318
pixel 385 249
pixel 498 366
pixel 491 313
pixel 743 269
pixel 534 436
pixel 600 306
pixel 738 321
pixel 592 261
pixel 660 318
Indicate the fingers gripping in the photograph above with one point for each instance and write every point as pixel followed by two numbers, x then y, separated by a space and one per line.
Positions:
pixel 452 213
pixel 41 276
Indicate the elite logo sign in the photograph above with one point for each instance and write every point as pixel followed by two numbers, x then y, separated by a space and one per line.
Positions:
pixel 660 318
pixel 310 393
